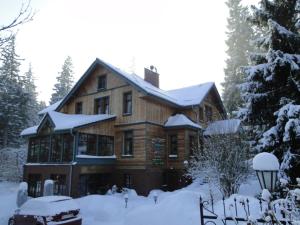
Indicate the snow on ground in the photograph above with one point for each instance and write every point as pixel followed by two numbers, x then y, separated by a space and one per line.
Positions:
pixel 8 193
pixel 177 207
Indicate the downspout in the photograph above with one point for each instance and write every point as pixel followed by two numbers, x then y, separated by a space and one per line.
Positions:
pixel 198 122
pixel 71 165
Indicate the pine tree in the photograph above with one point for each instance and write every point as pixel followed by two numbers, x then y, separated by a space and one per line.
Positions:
pixel 239 35
pixel 13 98
pixel 64 81
pixel 32 104
pixel 272 88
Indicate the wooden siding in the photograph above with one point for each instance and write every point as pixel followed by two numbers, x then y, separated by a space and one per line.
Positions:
pixel 157 112
pixel 139 154
pixel 116 87
pixel 101 128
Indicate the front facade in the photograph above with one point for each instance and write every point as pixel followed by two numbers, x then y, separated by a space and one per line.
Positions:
pixel 116 128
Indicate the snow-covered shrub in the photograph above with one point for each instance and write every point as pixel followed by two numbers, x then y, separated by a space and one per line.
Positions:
pixel 12 161
pixel 223 158
pixel 22 194
pixel 48 187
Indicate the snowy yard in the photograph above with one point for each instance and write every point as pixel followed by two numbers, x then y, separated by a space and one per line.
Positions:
pixel 176 208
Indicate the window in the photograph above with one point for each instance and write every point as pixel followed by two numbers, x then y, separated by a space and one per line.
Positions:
pixel 208 113
pixel 82 144
pixel 128 143
pixel 78 108
pixel 34 185
pixel 173 145
pixel 57 145
pixel 127 181
pixel 67 154
pixel 200 113
pixel 127 103
pixel 102 82
pixel 105 146
pixel 102 105
pixel 44 149
pixel 192 144
pixel 87 144
pixel 60 187
pixel 33 151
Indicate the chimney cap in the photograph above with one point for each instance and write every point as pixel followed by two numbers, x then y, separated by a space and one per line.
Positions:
pixel 153 68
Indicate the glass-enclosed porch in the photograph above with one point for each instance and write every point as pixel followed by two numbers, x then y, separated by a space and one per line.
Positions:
pixel 64 148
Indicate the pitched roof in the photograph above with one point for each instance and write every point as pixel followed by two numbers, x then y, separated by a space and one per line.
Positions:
pixel 52 107
pixel 230 126
pixel 180 120
pixel 62 121
pixel 183 97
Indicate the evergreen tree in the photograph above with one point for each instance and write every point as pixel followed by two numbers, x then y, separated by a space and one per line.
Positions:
pixel 64 81
pixel 32 104
pixel 239 35
pixel 272 88
pixel 13 98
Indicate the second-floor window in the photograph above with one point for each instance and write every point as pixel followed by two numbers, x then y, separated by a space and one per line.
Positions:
pixel 128 143
pixel 208 113
pixel 101 82
pixel 127 103
pixel 102 105
pixel 173 148
pixel 78 108
pixel 200 113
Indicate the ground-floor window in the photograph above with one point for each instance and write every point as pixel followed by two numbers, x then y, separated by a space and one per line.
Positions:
pixel 93 184
pixel 34 185
pixel 60 184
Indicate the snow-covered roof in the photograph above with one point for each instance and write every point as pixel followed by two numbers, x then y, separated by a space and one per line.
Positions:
pixel 265 161
pixel 182 97
pixel 62 121
pixel 230 126
pixel 52 107
pixel 180 120
pixel 48 206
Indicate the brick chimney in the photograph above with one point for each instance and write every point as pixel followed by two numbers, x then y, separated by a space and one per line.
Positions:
pixel 152 76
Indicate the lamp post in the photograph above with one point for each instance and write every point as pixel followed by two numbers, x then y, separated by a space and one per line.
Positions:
pixel 126 199
pixel 266 166
pixel 155 197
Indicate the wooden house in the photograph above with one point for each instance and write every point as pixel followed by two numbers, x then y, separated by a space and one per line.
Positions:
pixel 117 128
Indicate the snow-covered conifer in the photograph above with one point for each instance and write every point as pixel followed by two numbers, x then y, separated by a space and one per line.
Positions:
pixel 272 87
pixel 239 33
pixel 64 81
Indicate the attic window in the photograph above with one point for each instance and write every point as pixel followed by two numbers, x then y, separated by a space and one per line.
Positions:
pixel 102 82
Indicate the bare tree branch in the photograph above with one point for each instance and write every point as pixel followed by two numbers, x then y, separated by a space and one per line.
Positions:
pixel 25 15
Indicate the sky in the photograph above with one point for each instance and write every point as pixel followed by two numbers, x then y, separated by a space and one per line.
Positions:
pixel 183 39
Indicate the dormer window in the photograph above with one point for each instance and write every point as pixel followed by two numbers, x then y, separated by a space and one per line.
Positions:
pixel 102 82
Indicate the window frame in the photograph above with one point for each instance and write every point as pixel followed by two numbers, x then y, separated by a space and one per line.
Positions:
pixel 76 107
pixel 208 109
pixel 125 139
pixel 127 112
pixel 172 144
pixel 101 78
pixel 102 103
pixel 201 113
